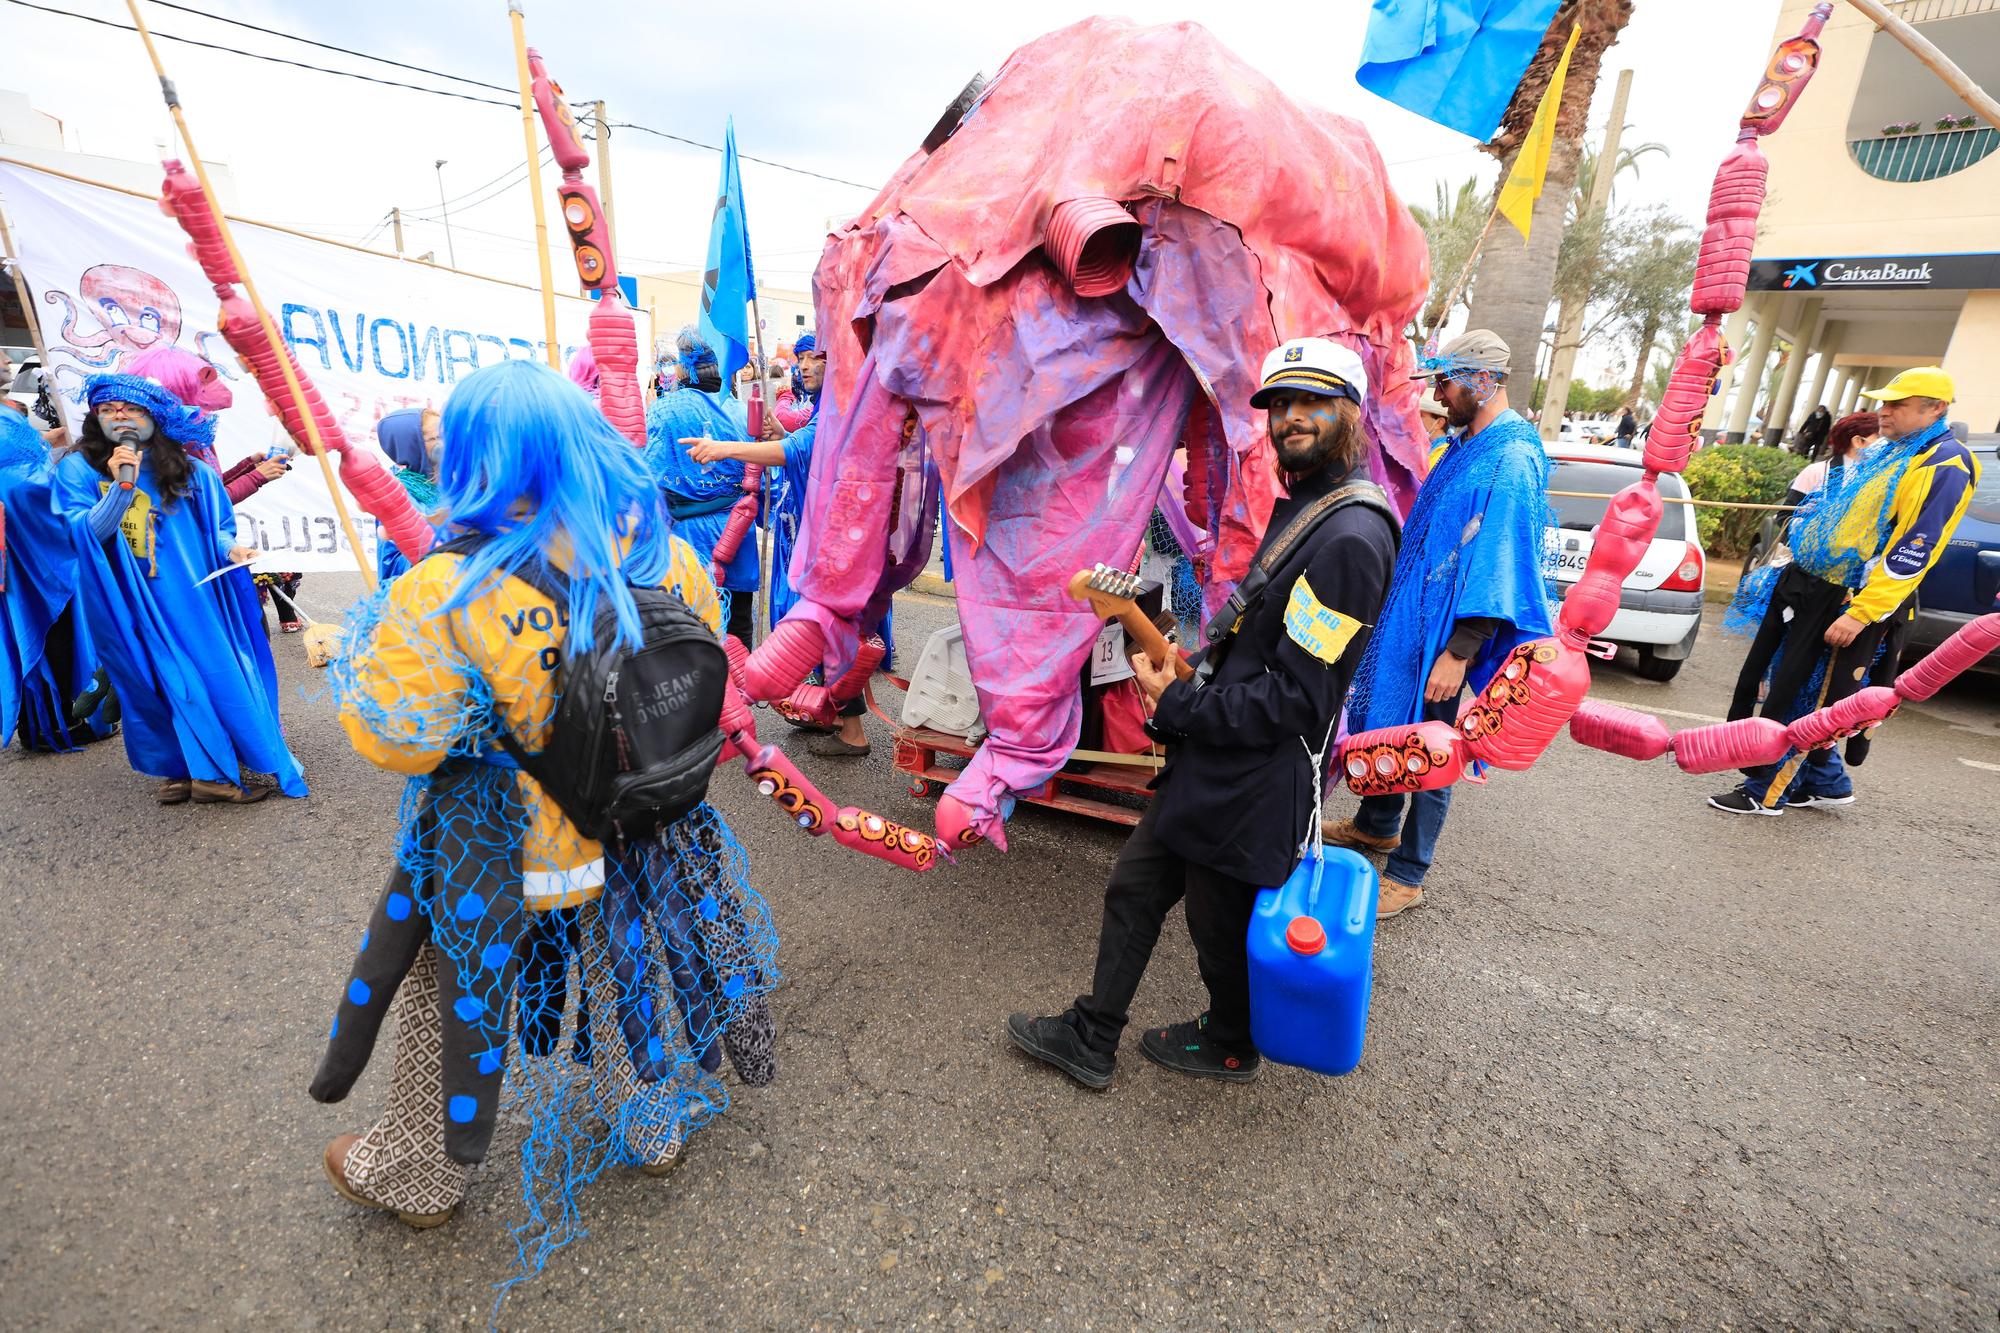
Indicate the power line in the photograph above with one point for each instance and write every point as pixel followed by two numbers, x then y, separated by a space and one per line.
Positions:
pixel 328 46
pixel 254 55
pixel 415 88
pixel 716 148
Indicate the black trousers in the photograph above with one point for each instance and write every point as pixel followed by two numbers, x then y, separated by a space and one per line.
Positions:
pixel 1145 884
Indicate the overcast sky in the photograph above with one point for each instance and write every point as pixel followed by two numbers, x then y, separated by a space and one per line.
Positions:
pixel 845 90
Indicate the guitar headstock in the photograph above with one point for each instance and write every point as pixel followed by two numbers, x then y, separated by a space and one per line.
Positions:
pixel 1108 589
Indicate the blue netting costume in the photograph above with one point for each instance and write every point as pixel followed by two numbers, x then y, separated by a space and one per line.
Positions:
pixel 584 993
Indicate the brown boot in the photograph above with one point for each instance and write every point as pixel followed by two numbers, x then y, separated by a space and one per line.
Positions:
pixel 174 791
pixel 335 1161
pixel 228 793
pixel 1393 898
pixel 1344 833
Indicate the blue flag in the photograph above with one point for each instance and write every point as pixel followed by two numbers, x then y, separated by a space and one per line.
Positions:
pixel 727 284
pixel 1456 62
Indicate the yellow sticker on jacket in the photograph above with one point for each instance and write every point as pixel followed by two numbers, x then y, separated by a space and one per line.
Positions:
pixel 1315 626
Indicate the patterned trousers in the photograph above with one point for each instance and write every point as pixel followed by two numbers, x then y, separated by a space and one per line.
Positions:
pixel 401 1160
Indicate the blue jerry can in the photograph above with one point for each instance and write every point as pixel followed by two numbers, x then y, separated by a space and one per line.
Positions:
pixel 1312 955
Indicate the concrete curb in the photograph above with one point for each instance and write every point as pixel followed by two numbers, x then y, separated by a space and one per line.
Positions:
pixel 933 585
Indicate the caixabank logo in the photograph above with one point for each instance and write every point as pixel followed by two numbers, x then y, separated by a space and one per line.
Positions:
pixel 1875 272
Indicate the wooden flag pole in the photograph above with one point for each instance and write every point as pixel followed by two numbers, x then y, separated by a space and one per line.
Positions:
pixel 535 182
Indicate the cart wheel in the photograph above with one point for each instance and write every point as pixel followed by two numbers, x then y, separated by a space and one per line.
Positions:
pixel 921 787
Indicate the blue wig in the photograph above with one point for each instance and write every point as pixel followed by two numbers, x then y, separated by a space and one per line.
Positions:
pixel 20 443
pixel 532 463
pixel 695 356
pixel 184 425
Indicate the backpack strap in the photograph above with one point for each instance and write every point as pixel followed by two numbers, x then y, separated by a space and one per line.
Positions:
pixel 1289 542
pixel 545 579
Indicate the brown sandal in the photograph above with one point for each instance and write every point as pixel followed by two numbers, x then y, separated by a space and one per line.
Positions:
pixel 228 793
pixel 175 791
pixel 335 1162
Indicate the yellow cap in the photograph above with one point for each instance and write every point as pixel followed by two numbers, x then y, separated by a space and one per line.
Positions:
pixel 1917 382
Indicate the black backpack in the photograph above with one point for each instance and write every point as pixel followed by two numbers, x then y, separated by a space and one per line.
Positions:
pixel 636 731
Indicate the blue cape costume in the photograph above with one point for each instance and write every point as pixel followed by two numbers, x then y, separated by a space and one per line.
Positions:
pixel 1473 547
pixel 700 497
pixel 191 665
pixel 46 657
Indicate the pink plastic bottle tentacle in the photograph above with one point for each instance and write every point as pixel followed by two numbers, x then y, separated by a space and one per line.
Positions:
pixel 1857 712
pixel 1420 757
pixel 1744 743
pixel 786 656
pixel 741 516
pixel 239 328
pixel 614 340
pixel 958 827
pixel 1722 269
pixel 820 703
pixel 383 497
pixel 182 200
pixel 1619 544
pixel 1689 387
pixel 1526 704
pixel 1967 645
pixel 1620 731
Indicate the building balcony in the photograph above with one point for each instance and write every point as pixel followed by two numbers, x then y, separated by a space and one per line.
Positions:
pixel 1909 158
pixel 1930 11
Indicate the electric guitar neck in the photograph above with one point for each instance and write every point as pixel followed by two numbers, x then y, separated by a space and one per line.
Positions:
pixel 1111 594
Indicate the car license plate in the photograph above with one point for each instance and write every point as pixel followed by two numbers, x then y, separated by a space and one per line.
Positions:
pixel 1570 562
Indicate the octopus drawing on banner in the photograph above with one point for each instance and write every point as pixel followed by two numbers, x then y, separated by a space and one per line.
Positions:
pixel 132 311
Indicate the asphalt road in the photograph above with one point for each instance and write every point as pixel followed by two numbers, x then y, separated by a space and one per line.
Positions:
pixel 1635 1063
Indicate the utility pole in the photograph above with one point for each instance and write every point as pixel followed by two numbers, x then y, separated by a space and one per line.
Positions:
pixel 449 248
pixel 604 174
pixel 396 221
pixel 1563 362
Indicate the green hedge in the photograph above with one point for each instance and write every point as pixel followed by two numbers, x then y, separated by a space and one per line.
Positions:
pixel 1745 474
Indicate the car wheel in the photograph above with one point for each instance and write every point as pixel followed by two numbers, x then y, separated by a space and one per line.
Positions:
pixel 1652 666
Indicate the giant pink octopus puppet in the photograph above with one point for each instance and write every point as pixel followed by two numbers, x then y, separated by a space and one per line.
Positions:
pixel 1080 272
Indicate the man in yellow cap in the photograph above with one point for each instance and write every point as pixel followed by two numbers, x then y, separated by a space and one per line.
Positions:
pixel 1860 546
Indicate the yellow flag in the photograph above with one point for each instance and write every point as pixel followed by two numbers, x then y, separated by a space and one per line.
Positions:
pixel 1531 164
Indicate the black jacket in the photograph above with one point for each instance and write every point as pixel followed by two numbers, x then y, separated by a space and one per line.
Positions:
pixel 1237 791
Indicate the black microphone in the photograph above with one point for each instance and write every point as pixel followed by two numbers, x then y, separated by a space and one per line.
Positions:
pixel 128 476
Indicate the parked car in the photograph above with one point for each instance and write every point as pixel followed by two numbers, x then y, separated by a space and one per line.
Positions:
pixel 1964 582
pixel 1659 608
pixel 1588 430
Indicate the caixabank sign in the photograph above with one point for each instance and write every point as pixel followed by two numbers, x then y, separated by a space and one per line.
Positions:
pixel 1844 273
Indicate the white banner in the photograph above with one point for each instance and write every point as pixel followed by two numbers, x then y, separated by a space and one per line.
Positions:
pixel 109 274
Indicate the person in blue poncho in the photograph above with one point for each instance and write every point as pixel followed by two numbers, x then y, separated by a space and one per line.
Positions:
pixel 787 464
pixel 53 695
pixel 186 653
pixel 1468 589
pixel 410 439
pixel 699 496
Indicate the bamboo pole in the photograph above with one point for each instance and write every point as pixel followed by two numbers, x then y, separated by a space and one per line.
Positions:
pixel 34 325
pixel 1932 59
pixel 535 181
pixel 1674 500
pixel 264 320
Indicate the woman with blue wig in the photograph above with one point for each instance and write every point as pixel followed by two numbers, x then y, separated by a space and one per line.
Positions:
pixel 176 628
pixel 496 900
pixel 53 695
pixel 699 496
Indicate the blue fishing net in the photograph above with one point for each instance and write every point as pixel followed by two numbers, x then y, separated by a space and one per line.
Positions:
pixel 588 995
pixel 1184 588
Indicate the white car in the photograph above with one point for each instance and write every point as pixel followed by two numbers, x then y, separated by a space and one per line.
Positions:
pixel 1659 608
pixel 1588 430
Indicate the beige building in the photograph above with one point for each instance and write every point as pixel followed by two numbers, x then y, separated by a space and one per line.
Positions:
pixel 1876 250
pixel 676 299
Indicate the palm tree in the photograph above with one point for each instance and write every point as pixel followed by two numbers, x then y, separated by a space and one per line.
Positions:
pixel 1451 229
pixel 1517 279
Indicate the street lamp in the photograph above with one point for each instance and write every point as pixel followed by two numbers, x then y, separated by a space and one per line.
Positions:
pixel 449 248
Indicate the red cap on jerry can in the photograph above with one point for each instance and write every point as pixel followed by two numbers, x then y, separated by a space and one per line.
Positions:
pixel 1305 935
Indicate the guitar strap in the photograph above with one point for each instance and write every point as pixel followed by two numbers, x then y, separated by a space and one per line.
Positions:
pixel 1255 584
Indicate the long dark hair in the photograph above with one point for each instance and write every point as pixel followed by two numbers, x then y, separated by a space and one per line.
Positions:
pixel 173 470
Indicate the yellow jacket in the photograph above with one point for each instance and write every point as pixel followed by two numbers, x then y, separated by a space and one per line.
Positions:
pixel 1930 500
pixel 512 636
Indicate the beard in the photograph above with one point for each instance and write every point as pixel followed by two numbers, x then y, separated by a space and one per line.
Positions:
pixel 1332 445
